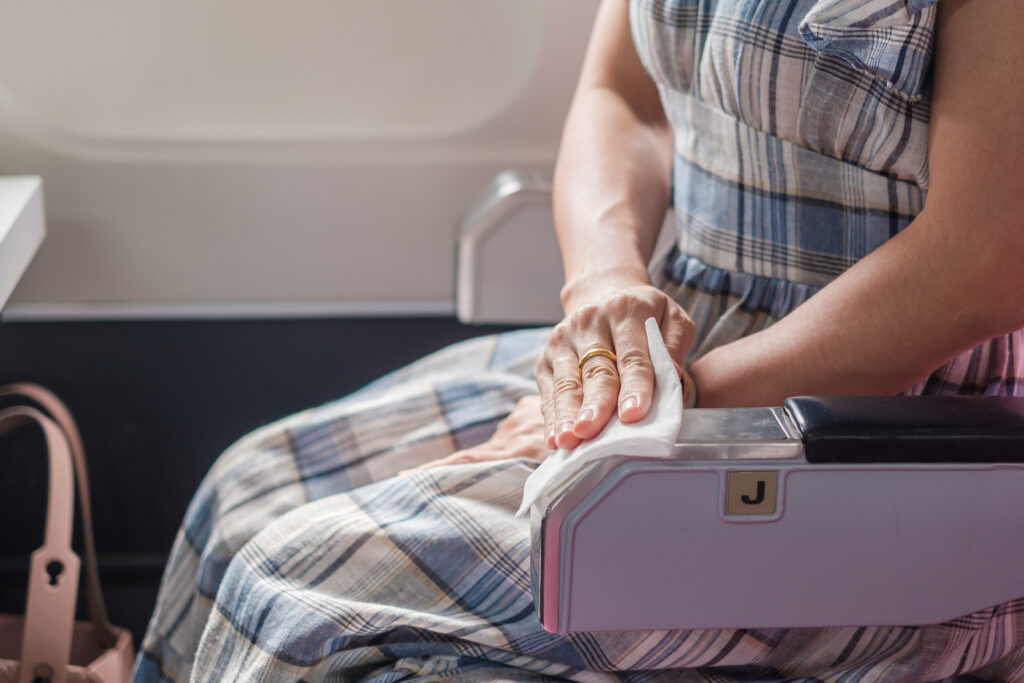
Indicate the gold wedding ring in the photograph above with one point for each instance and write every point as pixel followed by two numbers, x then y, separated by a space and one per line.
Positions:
pixel 594 353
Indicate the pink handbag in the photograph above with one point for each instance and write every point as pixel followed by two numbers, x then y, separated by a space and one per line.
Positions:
pixel 47 645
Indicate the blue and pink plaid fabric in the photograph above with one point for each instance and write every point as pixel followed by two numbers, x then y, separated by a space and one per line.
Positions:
pixel 801 145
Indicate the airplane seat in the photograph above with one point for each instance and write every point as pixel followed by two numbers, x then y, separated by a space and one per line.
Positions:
pixel 828 511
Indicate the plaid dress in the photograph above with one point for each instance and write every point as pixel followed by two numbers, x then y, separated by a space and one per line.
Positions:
pixel 801 145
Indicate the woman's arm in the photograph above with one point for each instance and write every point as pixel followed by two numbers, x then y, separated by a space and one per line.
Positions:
pixel 613 176
pixel 612 186
pixel 952 279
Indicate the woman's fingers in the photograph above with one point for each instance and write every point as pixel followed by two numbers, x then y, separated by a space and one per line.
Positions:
pixel 517 436
pixel 564 384
pixel 547 402
pixel 561 392
pixel 636 375
pixel 600 377
pixel 585 380
pixel 567 395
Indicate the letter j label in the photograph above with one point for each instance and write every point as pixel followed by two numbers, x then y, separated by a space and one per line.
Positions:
pixel 751 493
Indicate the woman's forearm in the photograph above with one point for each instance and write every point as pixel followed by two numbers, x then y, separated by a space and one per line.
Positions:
pixel 885 324
pixel 612 180
pixel 952 279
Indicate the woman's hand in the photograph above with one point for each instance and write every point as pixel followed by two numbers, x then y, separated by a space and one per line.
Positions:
pixel 577 403
pixel 520 435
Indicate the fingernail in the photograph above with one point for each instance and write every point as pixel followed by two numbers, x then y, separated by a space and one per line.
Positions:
pixel 564 427
pixel 549 433
pixel 586 415
pixel 630 403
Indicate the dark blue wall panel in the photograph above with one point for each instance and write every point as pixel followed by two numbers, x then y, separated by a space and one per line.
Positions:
pixel 156 403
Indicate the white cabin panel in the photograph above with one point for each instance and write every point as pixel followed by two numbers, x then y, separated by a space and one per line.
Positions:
pixel 214 194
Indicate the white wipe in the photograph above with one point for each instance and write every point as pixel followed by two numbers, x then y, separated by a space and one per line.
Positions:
pixel 653 436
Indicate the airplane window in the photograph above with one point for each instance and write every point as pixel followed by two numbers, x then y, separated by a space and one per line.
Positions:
pixel 266 70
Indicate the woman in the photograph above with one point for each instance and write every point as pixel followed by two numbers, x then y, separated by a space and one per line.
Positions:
pixel 794 139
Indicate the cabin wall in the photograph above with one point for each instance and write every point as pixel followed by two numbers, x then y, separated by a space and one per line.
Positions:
pixel 249 213
pixel 316 164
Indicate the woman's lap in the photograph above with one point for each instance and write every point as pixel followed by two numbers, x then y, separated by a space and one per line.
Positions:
pixel 449 400
pixel 411 567
pixel 302 556
pixel 421 573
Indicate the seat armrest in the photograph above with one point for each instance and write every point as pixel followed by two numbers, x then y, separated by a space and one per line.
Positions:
pixel 849 429
pixel 741 531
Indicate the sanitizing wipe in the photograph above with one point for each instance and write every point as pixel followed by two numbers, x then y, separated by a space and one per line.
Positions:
pixel 653 436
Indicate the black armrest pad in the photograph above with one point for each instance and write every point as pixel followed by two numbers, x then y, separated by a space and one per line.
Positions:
pixel 862 429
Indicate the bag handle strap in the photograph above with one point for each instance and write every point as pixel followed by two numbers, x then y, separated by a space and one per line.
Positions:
pixel 53 574
pixel 102 629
